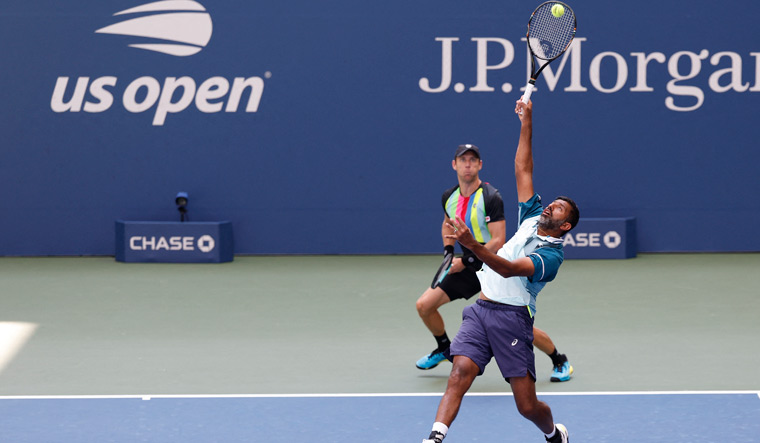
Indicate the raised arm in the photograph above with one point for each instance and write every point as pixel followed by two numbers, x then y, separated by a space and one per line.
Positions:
pixel 524 154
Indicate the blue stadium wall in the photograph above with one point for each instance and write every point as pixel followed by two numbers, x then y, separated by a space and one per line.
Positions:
pixel 329 126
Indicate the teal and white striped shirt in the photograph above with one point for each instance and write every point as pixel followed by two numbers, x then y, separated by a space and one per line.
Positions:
pixel 545 252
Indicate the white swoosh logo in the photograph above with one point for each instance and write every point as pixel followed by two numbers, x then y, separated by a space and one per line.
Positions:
pixel 189 31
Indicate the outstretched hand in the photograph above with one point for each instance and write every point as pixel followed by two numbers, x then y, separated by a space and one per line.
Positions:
pixel 461 233
pixel 524 111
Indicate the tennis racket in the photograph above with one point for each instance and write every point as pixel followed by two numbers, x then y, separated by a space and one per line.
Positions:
pixel 548 37
pixel 443 270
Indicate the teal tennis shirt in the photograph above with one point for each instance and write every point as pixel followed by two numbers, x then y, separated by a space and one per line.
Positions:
pixel 545 252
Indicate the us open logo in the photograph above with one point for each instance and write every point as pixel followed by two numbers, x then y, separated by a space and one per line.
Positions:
pixel 178 28
pixel 185 24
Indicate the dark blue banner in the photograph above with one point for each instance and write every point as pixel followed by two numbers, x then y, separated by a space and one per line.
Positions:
pixel 329 127
pixel 174 242
pixel 601 238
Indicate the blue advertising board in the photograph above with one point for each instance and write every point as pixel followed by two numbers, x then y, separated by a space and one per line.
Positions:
pixel 174 242
pixel 320 127
pixel 601 238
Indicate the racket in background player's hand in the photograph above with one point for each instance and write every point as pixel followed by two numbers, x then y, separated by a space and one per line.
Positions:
pixel 444 269
pixel 551 29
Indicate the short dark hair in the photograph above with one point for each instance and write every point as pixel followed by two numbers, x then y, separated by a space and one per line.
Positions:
pixel 575 214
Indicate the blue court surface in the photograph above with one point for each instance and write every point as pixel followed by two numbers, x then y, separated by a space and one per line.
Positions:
pixel 714 417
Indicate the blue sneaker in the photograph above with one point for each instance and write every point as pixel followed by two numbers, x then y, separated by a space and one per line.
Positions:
pixel 431 360
pixel 562 372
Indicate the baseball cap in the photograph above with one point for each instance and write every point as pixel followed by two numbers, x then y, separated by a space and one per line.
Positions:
pixel 465 148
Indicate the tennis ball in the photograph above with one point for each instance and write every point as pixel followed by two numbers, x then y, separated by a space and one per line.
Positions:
pixel 558 10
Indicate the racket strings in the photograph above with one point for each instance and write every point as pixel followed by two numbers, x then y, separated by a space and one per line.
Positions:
pixel 548 35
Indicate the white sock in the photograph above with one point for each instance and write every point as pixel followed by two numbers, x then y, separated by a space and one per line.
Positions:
pixel 554 431
pixel 440 427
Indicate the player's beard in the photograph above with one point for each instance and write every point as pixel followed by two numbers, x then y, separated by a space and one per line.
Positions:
pixel 548 224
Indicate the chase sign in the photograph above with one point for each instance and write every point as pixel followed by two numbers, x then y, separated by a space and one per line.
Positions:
pixel 601 238
pixel 170 242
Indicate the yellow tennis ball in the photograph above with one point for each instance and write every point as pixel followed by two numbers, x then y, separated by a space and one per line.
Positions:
pixel 558 10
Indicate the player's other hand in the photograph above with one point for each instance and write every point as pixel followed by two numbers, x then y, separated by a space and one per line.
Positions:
pixel 456 266
pixel 462 233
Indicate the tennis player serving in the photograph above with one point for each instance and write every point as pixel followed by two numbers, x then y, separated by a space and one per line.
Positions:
pixel 500 323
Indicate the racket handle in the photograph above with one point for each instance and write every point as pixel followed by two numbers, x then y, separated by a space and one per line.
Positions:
pixel 529 88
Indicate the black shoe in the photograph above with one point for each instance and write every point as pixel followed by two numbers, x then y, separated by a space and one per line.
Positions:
pixel 435 437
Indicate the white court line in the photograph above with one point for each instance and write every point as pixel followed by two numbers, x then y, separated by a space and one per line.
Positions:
pixel 422 394
pixel 13 336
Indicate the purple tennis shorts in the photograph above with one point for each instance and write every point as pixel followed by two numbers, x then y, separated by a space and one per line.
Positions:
pixel 491 329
